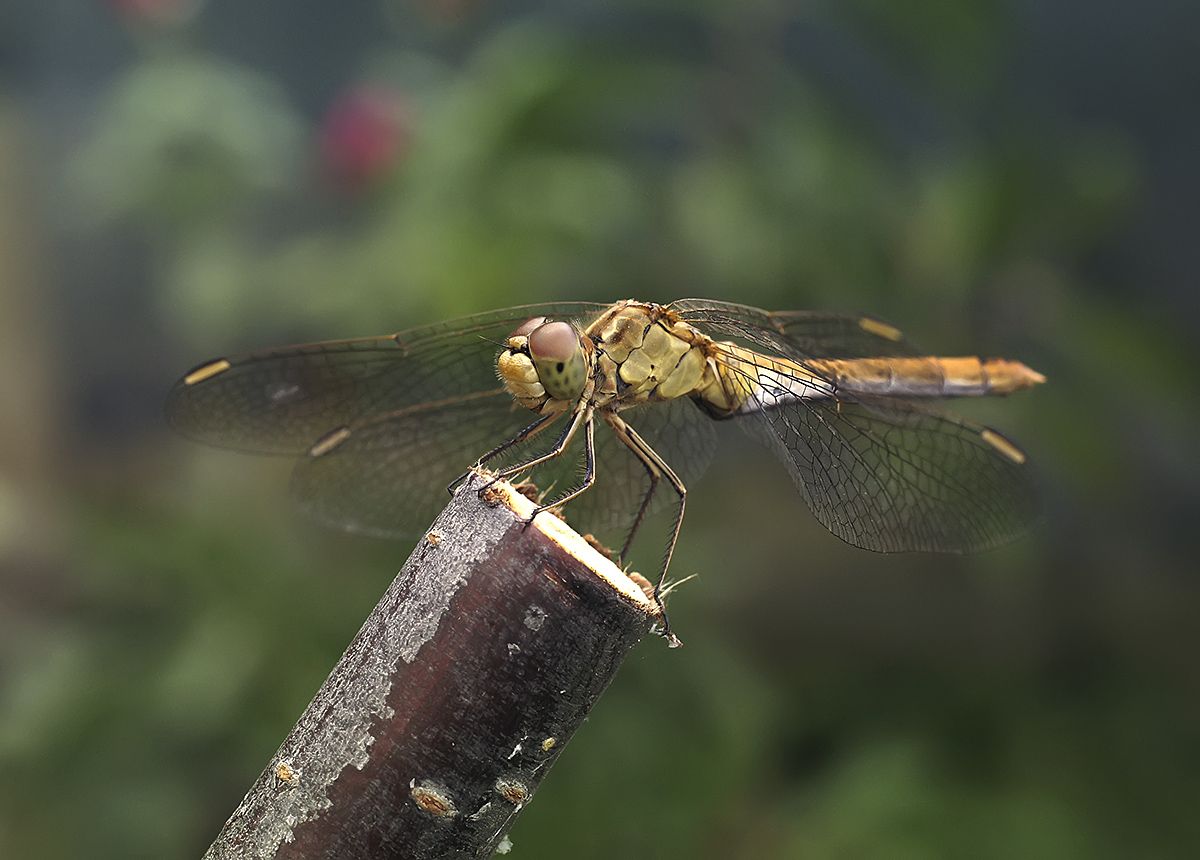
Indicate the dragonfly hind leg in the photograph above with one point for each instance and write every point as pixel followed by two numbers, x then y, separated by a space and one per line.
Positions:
pixel 658 468
pixel 655 476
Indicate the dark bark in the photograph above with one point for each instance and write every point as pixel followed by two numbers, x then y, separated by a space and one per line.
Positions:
pixel 458 693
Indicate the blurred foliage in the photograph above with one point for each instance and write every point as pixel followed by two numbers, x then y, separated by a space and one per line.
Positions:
pixel 211 139
pixel 180 179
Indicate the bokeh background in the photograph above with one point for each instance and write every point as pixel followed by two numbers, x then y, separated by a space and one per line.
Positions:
pixel 181 179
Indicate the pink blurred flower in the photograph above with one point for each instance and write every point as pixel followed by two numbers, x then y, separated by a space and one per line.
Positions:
pixel 448 11
pixel 365 133
pixel 155 11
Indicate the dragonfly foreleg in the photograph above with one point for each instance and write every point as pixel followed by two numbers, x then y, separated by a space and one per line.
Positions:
pixel 560 445
pixel 527 433
pixel 655 463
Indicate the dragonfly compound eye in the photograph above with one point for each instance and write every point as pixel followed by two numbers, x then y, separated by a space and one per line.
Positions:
pixel 525 328
pixel 558 358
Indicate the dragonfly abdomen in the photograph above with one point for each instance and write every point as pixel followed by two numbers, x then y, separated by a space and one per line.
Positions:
pixel 746 381
pixel 931 376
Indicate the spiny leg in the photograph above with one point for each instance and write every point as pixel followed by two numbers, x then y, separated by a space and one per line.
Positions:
pixel 618 428
pixel 640 446
pixel 589 472
pixel 529 432
pixel 679 488
pixel 655 477
pixel 560 445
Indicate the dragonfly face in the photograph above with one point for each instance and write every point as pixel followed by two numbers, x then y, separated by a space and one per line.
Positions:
pixel 380 425
pixel 543 365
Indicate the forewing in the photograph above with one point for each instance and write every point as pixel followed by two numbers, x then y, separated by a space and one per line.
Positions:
pixel 280 401
pixel 798 334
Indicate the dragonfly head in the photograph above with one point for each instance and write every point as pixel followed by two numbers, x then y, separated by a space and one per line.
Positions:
pixel 544 360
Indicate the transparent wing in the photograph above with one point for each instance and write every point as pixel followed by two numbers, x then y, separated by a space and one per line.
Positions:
pixel 411 411
pixel 807 334
pixel 894 478
pixel 280 401
pixel 677 429
pixel 885 475
pixel 387 476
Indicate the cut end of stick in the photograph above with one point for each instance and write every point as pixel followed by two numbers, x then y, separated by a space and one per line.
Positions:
pixel 574 544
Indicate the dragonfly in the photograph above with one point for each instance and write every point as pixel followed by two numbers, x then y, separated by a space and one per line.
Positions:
pixel 380 425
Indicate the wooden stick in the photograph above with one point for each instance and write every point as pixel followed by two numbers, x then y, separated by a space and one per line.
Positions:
pixel 459 692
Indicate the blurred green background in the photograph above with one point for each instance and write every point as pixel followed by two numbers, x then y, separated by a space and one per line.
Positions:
pixel 181 179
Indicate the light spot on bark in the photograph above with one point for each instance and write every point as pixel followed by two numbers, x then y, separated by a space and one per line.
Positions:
pixel 535 617
pixel 512 790
pixel 434 799
pixel 286 775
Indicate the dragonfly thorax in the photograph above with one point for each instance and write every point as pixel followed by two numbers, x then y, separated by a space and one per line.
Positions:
pixel 647 354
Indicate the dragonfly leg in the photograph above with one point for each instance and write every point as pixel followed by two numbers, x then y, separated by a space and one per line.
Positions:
pixel 529 432
pixel 589 473
pixel 560 445
pixel 655 475
pixel 650 457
